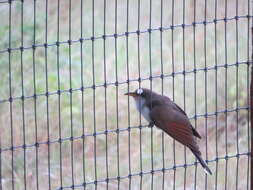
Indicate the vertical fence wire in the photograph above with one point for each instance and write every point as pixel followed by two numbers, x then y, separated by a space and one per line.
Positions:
pixel 117 90
pixel 216 98
pixel 82 96
pixel 94 93
pixel 251 102
pixel 151 88
pixel 46 89
pixel 195 85
pixel 162 91
pixel 173 87
pixel 10 95
pixel 249 30
pixel 22 91
pixel 35 105
pixel 225 100
pixel 139 81
pixel 70 93
pixel 128 98
pixel 184 89
pixel 59 93
pixel 105 97
pixel 205 72
pixel 237 97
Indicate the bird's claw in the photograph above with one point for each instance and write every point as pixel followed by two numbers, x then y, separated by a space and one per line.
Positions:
pixel 151 124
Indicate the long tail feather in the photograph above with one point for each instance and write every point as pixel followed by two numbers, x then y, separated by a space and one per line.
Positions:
pixel 203 163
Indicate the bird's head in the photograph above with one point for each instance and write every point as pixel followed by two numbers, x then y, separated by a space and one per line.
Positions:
pixel 143 101
pixel 140 93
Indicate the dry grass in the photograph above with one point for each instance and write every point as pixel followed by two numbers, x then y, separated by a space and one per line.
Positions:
pixel 120 120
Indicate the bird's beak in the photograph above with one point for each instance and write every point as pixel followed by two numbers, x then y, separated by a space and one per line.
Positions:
pixel 131 94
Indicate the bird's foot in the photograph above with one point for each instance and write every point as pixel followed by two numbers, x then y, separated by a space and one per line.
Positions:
pixel 151 124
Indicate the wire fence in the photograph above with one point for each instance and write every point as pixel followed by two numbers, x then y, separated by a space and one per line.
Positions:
pixel 65 66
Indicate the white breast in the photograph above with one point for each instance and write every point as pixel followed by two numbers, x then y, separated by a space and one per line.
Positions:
pixel 144 110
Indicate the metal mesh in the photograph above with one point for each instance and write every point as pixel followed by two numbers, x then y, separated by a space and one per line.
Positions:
pixel 65 65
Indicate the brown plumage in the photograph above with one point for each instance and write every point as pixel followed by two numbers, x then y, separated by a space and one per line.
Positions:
pixel 169 117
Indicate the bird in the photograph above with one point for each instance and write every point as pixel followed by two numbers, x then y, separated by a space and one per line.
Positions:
pixel 162 112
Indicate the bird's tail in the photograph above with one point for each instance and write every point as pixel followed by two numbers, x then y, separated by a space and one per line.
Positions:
pixel 203 163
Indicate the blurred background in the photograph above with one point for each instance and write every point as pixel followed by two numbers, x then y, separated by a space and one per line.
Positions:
pixel 216 100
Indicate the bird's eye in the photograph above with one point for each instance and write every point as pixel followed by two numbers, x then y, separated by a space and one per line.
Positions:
pixel 139 91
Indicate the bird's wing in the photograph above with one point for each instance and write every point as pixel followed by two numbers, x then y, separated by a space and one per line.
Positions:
pixel 195 132
pixel 176 125
pixel 179 109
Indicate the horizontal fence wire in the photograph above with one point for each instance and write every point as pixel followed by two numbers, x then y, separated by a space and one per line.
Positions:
pixel 97 131
pixel 150 172
pixel 137 32
pixel 116 83
pixel 72 138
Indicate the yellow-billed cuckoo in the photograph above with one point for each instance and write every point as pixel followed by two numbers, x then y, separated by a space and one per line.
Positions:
pixel 165 114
